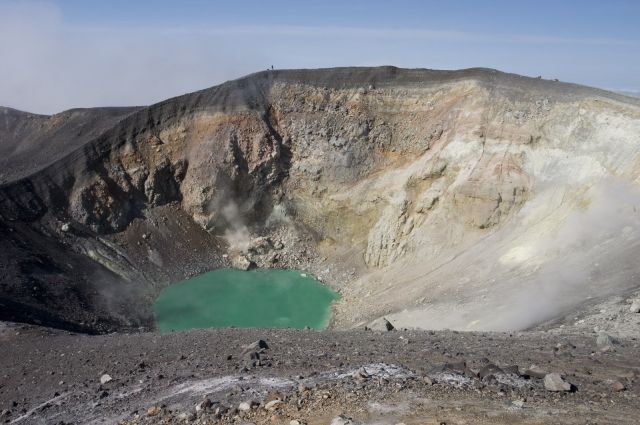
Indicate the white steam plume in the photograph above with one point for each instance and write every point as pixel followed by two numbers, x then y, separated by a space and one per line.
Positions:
pixel 237 233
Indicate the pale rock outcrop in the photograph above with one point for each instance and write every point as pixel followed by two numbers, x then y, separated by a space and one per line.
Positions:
pixel 385 242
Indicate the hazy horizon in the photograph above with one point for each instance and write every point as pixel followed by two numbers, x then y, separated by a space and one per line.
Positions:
pixel 65 54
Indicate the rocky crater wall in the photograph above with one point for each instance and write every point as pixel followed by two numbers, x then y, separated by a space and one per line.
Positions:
pixel 407 191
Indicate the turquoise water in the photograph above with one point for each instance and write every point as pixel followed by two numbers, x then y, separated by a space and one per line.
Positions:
pixel 255 298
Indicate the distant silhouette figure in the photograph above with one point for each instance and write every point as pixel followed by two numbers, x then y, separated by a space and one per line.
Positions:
pixel 271 66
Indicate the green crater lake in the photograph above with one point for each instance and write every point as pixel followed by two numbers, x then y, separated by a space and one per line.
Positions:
pixel 255 298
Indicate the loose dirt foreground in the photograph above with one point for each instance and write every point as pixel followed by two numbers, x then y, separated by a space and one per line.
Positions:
pixel 54 377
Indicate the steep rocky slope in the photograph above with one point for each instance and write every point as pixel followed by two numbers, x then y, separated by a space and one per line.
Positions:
pixel 465 199
pixel 30 142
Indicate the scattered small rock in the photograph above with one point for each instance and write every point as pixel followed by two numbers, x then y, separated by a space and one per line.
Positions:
pixel 273 404
pixel 245 406
pixel 605 341
pixel 105 378
pixel 488 371
pixel 618 386
pixel 254 353
pixel 204 405
pixel 635 307
pixel 342 420
pixel 274 395
pixel 555 382
pixel 303 388
pixel 513 369
pixel 154 410
pixel 361 374
pixel 260 245
pixel 427 380
pixel 256 345
pixel 456 367
pixel 518 403
pixel 381 324
pixel 535 372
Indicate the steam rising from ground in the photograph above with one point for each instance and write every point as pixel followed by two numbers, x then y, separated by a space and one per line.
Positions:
pixel 221 212
pixel 592 254
pixel 119 298
pixel 237 233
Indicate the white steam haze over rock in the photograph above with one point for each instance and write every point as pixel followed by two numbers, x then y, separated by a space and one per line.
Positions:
pixel 584 252
pixel 237 233
pixel 590 254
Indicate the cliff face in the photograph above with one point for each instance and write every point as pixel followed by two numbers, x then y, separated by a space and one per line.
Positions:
pixel 414 192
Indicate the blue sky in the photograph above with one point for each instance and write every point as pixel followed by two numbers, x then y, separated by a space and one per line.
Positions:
pixel 74 53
